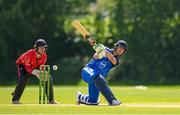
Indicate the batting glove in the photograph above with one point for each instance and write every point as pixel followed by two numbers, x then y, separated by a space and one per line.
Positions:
pixel 100 50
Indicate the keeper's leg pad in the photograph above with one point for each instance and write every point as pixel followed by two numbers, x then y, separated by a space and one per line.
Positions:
pixel 104 88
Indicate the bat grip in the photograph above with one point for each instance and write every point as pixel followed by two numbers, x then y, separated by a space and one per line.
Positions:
pixel 91 40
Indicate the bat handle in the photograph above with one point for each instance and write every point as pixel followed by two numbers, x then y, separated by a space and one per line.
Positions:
pixel 91 40
pixel 92 43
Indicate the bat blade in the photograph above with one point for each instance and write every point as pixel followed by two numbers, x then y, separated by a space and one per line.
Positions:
pixel 76 24
pixel 86 35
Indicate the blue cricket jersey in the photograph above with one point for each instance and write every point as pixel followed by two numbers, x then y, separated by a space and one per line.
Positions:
pixel 103 65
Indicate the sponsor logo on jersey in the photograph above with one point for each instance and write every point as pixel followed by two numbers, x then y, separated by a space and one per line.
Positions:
pixel 103 64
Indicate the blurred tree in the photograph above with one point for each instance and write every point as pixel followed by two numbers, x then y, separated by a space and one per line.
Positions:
pixel 23 21
pixel 151 30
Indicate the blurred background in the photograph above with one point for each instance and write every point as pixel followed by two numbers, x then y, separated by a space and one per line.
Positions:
pixel 150 27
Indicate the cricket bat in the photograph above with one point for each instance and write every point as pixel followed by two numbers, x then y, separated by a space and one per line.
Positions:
pixel 86 35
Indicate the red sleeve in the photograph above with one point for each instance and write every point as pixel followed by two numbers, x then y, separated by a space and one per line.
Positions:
pixel 29 60
pixel 25 59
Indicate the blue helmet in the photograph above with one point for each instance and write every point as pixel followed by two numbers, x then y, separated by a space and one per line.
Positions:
pixel 121 43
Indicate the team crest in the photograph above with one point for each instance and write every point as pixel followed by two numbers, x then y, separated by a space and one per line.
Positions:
pixel 103 64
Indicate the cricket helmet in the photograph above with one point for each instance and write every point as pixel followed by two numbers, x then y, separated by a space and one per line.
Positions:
pixel 121 43
pixel 40 42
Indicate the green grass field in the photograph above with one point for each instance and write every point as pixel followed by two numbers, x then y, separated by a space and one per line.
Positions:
pixel 153 100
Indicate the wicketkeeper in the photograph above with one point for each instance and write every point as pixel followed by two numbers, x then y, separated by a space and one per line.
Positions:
pixel 96 71
pixel 27 65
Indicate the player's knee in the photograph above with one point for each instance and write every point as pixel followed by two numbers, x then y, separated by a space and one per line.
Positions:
pixel 86 76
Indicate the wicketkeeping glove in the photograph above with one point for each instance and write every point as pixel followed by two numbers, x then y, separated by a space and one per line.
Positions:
pixel 36 72
pixel 100 50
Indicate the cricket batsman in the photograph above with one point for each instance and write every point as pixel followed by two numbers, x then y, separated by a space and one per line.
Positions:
pixel 96 71
pixel 27 65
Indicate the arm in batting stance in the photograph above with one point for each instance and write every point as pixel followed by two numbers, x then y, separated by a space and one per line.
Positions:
pixel 97 69
pixel 27 65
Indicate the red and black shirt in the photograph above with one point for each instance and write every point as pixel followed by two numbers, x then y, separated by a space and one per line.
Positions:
pixel 29 60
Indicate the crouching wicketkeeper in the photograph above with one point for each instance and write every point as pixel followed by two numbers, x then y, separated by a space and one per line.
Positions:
pixel 97 69
pixel 27 65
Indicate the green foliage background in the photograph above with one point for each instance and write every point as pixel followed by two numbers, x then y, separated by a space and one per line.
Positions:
pixel 151 28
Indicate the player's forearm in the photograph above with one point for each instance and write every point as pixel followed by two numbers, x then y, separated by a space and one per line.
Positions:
pixel 110 57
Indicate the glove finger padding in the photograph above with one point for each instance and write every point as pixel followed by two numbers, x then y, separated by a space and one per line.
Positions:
pixel 99 47
pixel 101 54
pixel 100 50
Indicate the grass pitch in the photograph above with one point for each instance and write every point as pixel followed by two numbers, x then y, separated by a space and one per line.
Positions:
pixel 136 100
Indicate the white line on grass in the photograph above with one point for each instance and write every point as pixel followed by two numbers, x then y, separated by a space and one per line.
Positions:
pixel 134 105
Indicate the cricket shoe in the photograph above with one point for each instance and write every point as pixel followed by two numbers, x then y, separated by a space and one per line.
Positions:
pixel 52 102
pixel 79 100
pixel 89 103
pixel 16 102
pixel 115 103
